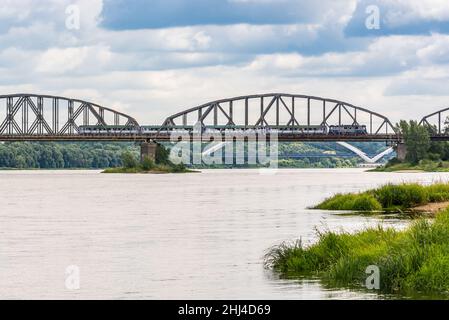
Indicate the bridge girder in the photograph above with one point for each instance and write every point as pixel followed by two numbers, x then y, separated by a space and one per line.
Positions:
pixel 32 114
pixel 280 109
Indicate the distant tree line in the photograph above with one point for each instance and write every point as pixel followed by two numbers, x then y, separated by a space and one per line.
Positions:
pixel 418 143
pixel 64 155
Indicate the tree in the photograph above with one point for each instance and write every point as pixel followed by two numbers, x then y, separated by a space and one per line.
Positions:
pixel 162 155
pixel 129 161
pixel 147 164
pixel 417 140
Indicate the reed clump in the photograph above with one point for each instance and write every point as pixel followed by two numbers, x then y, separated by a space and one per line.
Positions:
pixel 410 261
pixel 388 198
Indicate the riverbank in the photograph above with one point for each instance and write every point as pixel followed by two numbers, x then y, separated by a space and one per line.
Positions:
pixel 156 169
pixel 390 198
pixel 422 166
pixel 409 261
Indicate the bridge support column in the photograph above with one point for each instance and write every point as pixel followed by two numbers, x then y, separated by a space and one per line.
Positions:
pixel 401 150
pixel 148 150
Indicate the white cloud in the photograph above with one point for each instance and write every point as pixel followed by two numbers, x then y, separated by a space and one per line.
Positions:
pixel 153 73
pixel 63 61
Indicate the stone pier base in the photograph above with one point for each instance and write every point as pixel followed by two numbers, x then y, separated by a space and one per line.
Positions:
pixel 148 150
pixel 401 151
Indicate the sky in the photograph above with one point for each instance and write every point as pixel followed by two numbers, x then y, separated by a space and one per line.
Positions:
pixel 154 58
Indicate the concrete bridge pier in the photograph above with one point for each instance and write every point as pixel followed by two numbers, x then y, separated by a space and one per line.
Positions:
pixel 401 151
pixel 148 150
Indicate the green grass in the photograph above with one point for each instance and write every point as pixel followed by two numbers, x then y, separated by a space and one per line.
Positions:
pixel 424 165
pixel 410 261
pixel 151 169
pixel 388 198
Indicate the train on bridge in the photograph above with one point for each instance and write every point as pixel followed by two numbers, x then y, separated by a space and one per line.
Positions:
pixel 333 130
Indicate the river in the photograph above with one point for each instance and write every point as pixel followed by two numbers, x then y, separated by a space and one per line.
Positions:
pixel 187 236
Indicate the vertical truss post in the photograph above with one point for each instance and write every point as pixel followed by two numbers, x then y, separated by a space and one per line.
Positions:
pixel 231 111
pixel 293 111
pixel 262 110
pixel 85 115
pixel 439 123
pixel 70 116
pixel 55 113
pixel 277 110
pixel 24 116
pixel 246 113
pixel 324 112
pixel 308 112
pixel 9 115
pixel 339 114
pixel 215 115
pixel 40 108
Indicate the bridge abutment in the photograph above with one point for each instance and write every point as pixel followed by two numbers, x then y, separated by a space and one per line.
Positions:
pixel 148 150
pixel 401 150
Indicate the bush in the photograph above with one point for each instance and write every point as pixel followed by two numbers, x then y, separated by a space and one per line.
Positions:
pixel 403 196
pixel 366 202
pixel 162 155
pixel 147 164
pixel 128 160
pixel 357 202
pixel 388 197
pixel 393 162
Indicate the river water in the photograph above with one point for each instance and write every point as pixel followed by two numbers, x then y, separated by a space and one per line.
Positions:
pixel 188 236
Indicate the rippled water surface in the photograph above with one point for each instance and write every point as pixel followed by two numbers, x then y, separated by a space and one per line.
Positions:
pixel 189 236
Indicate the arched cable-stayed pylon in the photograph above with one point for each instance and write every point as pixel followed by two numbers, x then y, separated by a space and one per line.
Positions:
pixel 438 120
pixel 46 115
pixel 363 155
pixel 277 109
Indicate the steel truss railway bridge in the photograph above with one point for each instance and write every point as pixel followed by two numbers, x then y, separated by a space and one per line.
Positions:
pixel 33 117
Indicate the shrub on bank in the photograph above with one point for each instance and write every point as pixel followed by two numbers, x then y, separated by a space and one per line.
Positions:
pixel 401 196
pixel 356 202
pixel 388 197
pixel 409 261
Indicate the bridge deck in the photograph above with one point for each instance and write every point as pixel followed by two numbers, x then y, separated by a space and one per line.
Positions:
pixel 167 137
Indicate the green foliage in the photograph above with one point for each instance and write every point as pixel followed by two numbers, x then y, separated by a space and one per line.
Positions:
pixel 356 202
pixel 413 260
pixel 147 164
pixel 401 196
pixel 388 197
pixel 129 160
pixel 417 140
pixel 63 155
pixel 162 155
pixel 131 165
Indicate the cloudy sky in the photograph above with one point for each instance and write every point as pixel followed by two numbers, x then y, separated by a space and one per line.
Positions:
pixel 156 57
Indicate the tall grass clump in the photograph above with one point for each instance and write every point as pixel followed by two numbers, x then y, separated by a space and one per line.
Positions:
pixel 357 202
pixel 401 196
pixel 388 198
pixel 410 261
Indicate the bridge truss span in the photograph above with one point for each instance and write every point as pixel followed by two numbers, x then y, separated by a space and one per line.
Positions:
pixel 28 115
pixel 280 110
pixel 439 121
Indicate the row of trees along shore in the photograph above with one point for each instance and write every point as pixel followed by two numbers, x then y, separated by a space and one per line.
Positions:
pixel 420 148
